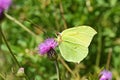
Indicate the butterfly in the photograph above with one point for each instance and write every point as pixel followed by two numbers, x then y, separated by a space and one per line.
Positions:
pixel 74 42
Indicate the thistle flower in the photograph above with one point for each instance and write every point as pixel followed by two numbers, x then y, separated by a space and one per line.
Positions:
pixel 48 45
pixel 105 75
pixel 4 5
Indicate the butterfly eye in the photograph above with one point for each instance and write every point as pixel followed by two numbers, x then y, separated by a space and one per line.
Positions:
pixel 58 34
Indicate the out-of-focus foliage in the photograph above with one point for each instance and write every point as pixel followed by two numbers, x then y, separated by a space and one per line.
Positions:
pixel 45 18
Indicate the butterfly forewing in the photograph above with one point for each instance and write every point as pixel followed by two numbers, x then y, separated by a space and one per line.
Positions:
pixel 79 35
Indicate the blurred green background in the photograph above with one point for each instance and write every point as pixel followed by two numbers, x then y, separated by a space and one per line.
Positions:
pixel 47 17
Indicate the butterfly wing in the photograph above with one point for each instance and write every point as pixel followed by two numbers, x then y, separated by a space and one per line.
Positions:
pixel 79 35
pixel 73 52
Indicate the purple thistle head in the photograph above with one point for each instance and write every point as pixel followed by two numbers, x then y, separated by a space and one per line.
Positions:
pixel 47 45
pixel 105 75
pixel 4 5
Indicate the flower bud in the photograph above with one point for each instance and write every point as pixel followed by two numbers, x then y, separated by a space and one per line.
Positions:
pixel 20 72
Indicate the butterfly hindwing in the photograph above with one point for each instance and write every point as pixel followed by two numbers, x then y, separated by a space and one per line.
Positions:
pixel 73 52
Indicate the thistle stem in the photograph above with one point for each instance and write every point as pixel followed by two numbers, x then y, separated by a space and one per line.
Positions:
pixel 99 46
pixel 9 47
pixel 66 66
pixel 5 40
pixel 109 58
pixel 57 69
pixel 20 24
pixel 62 14
pixel 2 76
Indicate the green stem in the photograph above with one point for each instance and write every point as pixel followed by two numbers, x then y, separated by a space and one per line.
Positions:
pixel 57 69
pixel 0 41
pixel 20 24
pixel 0 38
pixel 11 50
pixel 9 47
pixel 66 66
pixel 2 76
pixel 99 47
pixel 62 14
pixel 109 58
